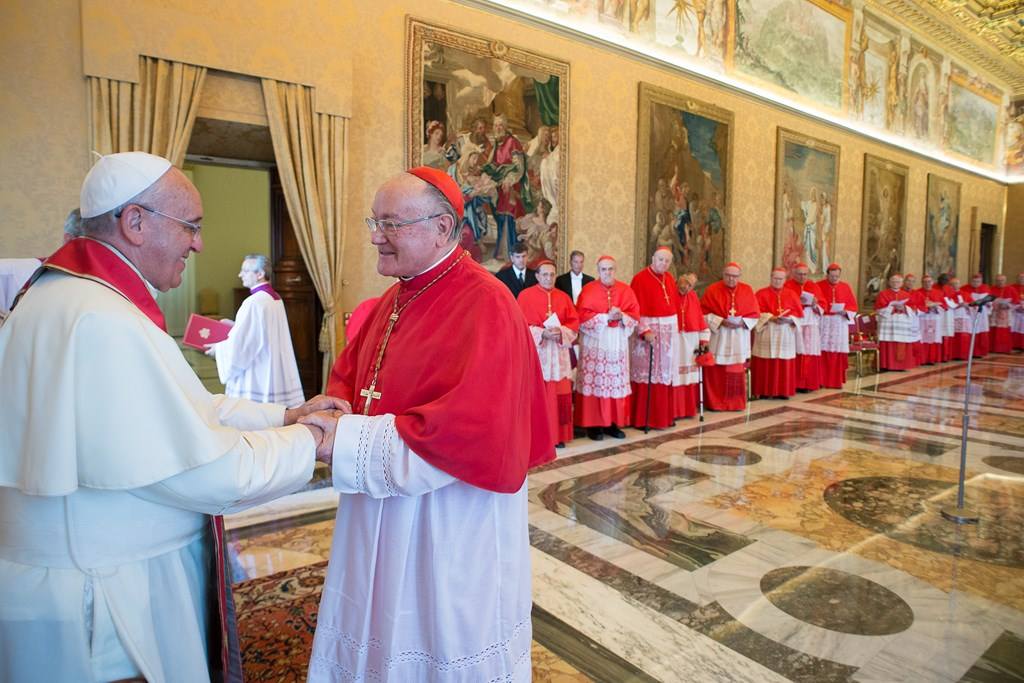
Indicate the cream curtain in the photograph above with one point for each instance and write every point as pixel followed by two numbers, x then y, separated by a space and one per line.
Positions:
pixel 310 150
pixel 155 115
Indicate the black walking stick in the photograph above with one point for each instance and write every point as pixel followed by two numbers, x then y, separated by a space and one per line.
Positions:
pixel 650 376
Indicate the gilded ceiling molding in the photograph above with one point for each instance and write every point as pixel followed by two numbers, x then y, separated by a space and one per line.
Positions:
pixel 971 40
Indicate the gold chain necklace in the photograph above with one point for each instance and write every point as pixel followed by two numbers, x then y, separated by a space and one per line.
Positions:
pixel 370 393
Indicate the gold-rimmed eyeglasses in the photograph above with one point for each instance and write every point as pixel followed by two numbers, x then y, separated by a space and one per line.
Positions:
pixel 390 227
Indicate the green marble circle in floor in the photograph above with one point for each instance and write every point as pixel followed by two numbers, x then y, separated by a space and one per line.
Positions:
pixel 1008 463
pixel 836 600
pixel 908 510
pixel 732 456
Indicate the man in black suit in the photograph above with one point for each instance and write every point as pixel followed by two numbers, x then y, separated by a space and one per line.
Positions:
pixel 572 282
pixel 518 277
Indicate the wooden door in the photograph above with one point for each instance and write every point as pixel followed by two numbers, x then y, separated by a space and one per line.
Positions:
pixel 292 281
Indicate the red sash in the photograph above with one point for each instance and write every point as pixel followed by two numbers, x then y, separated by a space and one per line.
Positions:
pixel 89 259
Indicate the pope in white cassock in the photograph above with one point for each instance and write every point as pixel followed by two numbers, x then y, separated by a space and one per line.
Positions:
pixel 429 576
pixel 113 456
pixel 257 360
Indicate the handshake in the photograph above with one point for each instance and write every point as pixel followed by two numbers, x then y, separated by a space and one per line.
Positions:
pixel 320 416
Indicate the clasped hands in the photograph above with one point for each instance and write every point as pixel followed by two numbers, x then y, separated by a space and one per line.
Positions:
pixel 554 333
pixel 320 416
pixel 615 313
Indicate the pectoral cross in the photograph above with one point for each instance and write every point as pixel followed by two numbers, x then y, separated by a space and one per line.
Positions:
pixel 732 304
pixel 370 395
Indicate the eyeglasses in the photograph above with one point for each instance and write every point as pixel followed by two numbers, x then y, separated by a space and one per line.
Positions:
pixel 193 227
pixel 389 227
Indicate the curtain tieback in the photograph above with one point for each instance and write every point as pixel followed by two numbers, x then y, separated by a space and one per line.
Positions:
pixel 324 343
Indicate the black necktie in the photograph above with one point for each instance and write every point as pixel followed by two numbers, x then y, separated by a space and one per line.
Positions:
pixel 521 281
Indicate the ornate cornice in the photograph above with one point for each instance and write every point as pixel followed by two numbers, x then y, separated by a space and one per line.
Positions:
pixel 986 34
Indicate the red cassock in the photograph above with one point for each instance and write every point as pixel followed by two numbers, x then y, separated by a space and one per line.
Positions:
pixel 591 409
pixel 917 302
pixel 537 305
pixel 658 298
pixel 931 351
pixel 693 322
pixel 1018 337
pixel 772 375
pixel 725 385
pixel 835 355
pixel 460 373
pixel 1002 339
pixel 982 340
pixel 961 341
pixel 809 366
pixel 899 353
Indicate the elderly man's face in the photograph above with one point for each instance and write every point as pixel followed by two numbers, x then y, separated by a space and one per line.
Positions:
pixel 778 279
pixel 801 274
pixel 168 243
pixel 731 277
pixel 499 128
pixel 683 285
pixel 1000 280
pixel 412 248
pixel 250 275
pixel 896 282
pixel 661 261
pixel 909 281
pixel 546 276
pixel 954 283
pixel 927 282
pixel 519 260
pixel 834 275
pixel 976 281
pixel 576 263
pixel 606 272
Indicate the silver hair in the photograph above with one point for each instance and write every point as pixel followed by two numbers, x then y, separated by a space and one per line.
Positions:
pixel 261 262
pixel 445 208
pixel 73 224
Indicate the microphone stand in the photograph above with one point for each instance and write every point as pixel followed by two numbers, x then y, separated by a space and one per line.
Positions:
pixel 960 514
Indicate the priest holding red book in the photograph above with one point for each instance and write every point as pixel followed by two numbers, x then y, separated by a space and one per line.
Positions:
pixel 609 313
pixel 654 360
pixel 840 307
pixel 897 332
pixel 777 339
pixel 554 325
pixel 731 311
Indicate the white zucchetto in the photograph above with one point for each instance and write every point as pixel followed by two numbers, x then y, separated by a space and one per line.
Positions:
pixel 116 178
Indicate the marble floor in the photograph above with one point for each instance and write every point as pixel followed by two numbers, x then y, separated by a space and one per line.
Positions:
pixel 801 540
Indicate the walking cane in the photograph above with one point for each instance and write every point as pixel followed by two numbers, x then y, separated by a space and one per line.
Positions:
pixel 650 376
pixel 700 390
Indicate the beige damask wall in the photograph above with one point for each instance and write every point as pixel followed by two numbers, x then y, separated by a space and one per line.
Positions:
pixel 1013 245
pixel 360 72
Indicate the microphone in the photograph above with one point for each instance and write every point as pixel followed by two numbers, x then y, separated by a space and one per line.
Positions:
pixel 987 299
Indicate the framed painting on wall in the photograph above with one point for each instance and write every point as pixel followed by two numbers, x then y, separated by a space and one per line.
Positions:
pixel 972 118
pixel 883 226
pixel 806 194
pixel 494 117
pixel 684 193
pixel 942 225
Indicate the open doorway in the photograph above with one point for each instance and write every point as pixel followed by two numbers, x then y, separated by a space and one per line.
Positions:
pixel 987 251
pixel 232 165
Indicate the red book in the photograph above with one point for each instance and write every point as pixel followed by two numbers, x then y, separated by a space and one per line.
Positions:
pixel 202 330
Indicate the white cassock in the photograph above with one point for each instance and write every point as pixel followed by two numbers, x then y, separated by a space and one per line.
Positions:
pixel 112 454
pixel 689 371
pixel 835 332
pixel 414 551
pixel 14 272
pixel 257 360
pixel 780 341
pixel 898 324
pixel 810 325
pixel 930 323
pixel 730 345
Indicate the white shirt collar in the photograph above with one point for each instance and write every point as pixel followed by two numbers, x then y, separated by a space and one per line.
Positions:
pixel 518 271
pixel 433 265
pixel 574 276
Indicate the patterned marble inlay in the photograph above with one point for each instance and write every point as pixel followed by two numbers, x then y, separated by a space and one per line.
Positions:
pixel 1003 662
pixel 800 432
pixel 731 456
pixel 1008 463
pixel 997 386
pixel 907 509
pixel 618 502
pixel 945 416
pixel 837 601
